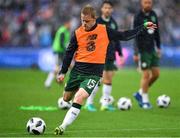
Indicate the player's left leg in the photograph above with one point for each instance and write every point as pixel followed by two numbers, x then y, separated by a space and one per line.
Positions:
pixel 90 101
pixel 142 95
pixel 106 90
pixel 155 72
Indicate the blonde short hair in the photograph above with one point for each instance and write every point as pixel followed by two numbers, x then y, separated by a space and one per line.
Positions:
pixel 89 10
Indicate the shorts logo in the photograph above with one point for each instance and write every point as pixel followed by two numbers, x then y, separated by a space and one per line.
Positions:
pixel 144 64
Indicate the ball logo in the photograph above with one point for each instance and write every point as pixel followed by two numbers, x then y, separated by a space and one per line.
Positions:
pixel 150 31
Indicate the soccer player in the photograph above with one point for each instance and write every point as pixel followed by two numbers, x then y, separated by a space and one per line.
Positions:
pixel 89 44
pixel 109 67
pixel 61 40
pixel 147 52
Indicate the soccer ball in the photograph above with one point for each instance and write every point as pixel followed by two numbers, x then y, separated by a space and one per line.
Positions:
pixel 110 100
pixel 36 126
pixel 163 101
pixel 64 105
pixel 124 103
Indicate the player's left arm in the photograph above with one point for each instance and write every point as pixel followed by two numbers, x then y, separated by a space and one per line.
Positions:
pixel 136 23
pixel 118 47
pixel 129 34
pixel 157 37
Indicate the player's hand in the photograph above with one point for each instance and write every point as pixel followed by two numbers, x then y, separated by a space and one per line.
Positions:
pixel 150 25
pixel 159 53
pixel 136 58
pixel 60 78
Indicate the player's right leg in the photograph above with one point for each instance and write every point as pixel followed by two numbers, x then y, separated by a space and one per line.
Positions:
pixel 68 96
pixel 71 87
pixel 49 79
pixel 52 74
pixel 145 85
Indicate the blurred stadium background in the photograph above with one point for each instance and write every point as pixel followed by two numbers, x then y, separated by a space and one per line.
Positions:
pixel 27 29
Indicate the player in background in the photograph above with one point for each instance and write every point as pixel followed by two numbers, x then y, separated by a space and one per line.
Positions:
pixel 89 44
pixel 147 53
pixel 61 40
pixel 109 67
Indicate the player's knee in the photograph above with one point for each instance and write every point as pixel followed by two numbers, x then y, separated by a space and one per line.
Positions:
pixel 66 98
pixel 79 99
pixel 107 80
pixel 80 96
pixel 56 70
pixel 156 75
pixel 107 83
pixel 146 76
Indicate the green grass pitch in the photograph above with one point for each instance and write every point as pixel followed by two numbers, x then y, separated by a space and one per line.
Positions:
pixel 25 88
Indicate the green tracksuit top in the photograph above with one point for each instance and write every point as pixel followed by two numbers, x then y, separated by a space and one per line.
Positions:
pixel 61 39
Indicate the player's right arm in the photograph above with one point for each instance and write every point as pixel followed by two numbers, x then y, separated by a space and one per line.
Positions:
pixel 67 58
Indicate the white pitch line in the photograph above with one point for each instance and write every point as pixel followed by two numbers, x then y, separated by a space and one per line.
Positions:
pixel 100 130
pixel 128 129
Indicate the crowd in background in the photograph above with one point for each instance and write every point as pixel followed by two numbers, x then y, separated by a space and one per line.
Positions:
pixel 33 23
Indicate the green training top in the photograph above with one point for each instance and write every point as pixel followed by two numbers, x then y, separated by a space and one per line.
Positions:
pixel 58 46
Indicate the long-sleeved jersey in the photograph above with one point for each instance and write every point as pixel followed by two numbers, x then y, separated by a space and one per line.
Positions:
pixel 114 45
pixel 89 52
pixel 146 40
